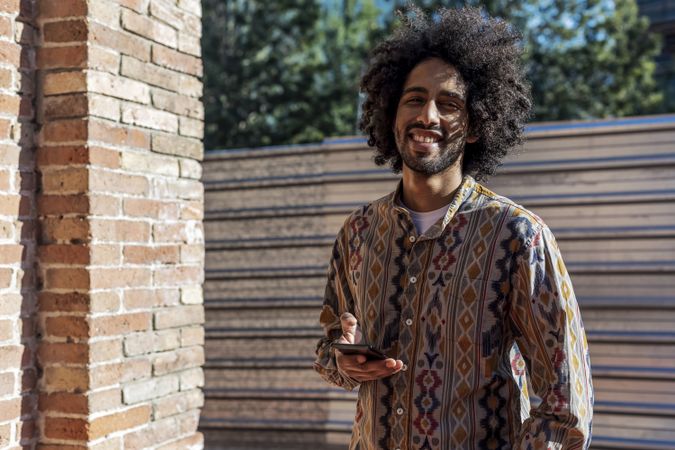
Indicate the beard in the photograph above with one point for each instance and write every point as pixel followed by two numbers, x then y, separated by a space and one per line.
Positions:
pixel 451 149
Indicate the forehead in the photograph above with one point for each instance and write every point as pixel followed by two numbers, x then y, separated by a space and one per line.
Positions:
pixel 434 75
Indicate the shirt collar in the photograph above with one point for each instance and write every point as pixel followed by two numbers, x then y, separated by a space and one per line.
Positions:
pixel 461 195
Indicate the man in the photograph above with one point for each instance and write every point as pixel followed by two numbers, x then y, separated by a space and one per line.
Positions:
pixel 464 290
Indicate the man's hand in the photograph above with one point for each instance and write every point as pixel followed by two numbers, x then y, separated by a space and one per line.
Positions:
pixel 358 367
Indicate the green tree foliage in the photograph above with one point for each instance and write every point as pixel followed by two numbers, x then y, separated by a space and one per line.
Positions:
pixel 284 71
pixel 584 58
pixel 287 71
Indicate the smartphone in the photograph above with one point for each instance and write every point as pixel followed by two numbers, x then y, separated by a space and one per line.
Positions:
pixel 360 349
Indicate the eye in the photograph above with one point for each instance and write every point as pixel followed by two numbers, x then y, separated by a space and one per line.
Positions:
pixel 415 100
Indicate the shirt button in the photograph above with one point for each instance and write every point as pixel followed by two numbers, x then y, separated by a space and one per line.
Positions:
pixel 413 280
pixel 408 322
pixel 412 239
pixel 404 368
pixel 399 411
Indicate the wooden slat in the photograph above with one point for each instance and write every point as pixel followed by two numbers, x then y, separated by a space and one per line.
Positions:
pixel 606 189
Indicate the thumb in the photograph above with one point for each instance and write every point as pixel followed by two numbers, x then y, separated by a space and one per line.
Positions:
pixel 349 329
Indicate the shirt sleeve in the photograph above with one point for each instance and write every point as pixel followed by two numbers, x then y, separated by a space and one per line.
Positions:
pixel 337 300
pixel 550 335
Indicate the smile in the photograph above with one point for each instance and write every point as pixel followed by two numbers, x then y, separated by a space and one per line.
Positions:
pixel 426 137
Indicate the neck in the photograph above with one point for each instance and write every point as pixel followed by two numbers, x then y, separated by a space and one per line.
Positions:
pixel 424 193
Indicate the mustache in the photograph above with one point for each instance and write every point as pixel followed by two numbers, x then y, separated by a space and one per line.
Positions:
pixel 421 126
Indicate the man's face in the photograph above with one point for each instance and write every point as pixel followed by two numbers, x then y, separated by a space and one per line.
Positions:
pixel 432 122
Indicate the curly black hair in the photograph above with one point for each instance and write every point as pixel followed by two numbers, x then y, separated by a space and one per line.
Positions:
pixel 485 51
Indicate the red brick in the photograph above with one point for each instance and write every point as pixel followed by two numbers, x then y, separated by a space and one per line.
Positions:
pixel 5 278
pixel 69 302
pixel 7 384
pixel 140 6
pixel 179 275
pixel 68 180
pixel 62 204
pixel 9 104
pixel 5 129
pixel 141 207
pixel 119 421
pixel 116 230
pixel 192 336
pixel 168 14
pixel 124 42
pixel 176 360
pixel 178 104
pixel 104 351
pixel 6 330
pixel 5 177
pixel 67 278
pixel 73 30
pixel 67 326
pixel 192 211
pixel 112 182
pixel 71 130
pixel 10 53
pixel 104 157
pixel 178 403
pixel 179 317
pixel 68 229
pixel 63 402
pixel 149 28
pixel 140 254
pixel 179 146
pixel 12 253
pixel 64 253
pixel 62 8
pixel 105 205
pixel 149 298
pixel 103 59
pixel 10 6
pixel 68 379
pixel 112 374
pixel 147 117
pixel 63 353
pixel 73 56
pixel 105 255
pixel 115 86
pixel 111 133
pixel 6 78
pixel 119 278
pixel 65 106
pixel 65 428
pixel 175 60
pixel 10 409
pixel 5 26
pixel 120 324
pixel 105 302
pixel 150 74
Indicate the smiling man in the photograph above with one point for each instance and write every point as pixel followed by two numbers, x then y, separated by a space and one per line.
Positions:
pixel 463 290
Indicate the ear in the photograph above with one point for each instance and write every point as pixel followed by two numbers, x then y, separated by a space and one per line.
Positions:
pixel 471 139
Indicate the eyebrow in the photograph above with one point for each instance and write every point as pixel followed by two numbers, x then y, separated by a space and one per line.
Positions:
pixel 422 90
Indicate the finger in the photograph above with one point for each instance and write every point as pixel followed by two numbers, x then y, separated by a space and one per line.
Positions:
pixel 348 323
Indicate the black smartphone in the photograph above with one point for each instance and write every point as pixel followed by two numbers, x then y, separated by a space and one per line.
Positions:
pixel 360 349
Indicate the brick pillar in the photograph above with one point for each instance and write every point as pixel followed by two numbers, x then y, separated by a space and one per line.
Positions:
pixel 18 399
pixel 120 251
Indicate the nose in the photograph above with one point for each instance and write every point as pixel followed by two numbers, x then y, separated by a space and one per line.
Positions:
pixel 429 114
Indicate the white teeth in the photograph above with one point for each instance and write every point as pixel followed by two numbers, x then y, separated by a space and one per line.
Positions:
pixel 424 139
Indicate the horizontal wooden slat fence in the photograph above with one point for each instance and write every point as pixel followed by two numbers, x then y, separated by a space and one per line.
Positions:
pixel 606 188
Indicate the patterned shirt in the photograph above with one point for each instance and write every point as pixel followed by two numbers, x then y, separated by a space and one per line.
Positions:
pixel 481 311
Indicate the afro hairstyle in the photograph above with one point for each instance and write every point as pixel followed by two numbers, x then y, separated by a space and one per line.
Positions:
pixel 485 51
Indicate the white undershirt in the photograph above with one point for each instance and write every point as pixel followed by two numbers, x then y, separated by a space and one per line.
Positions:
pixel 424 220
